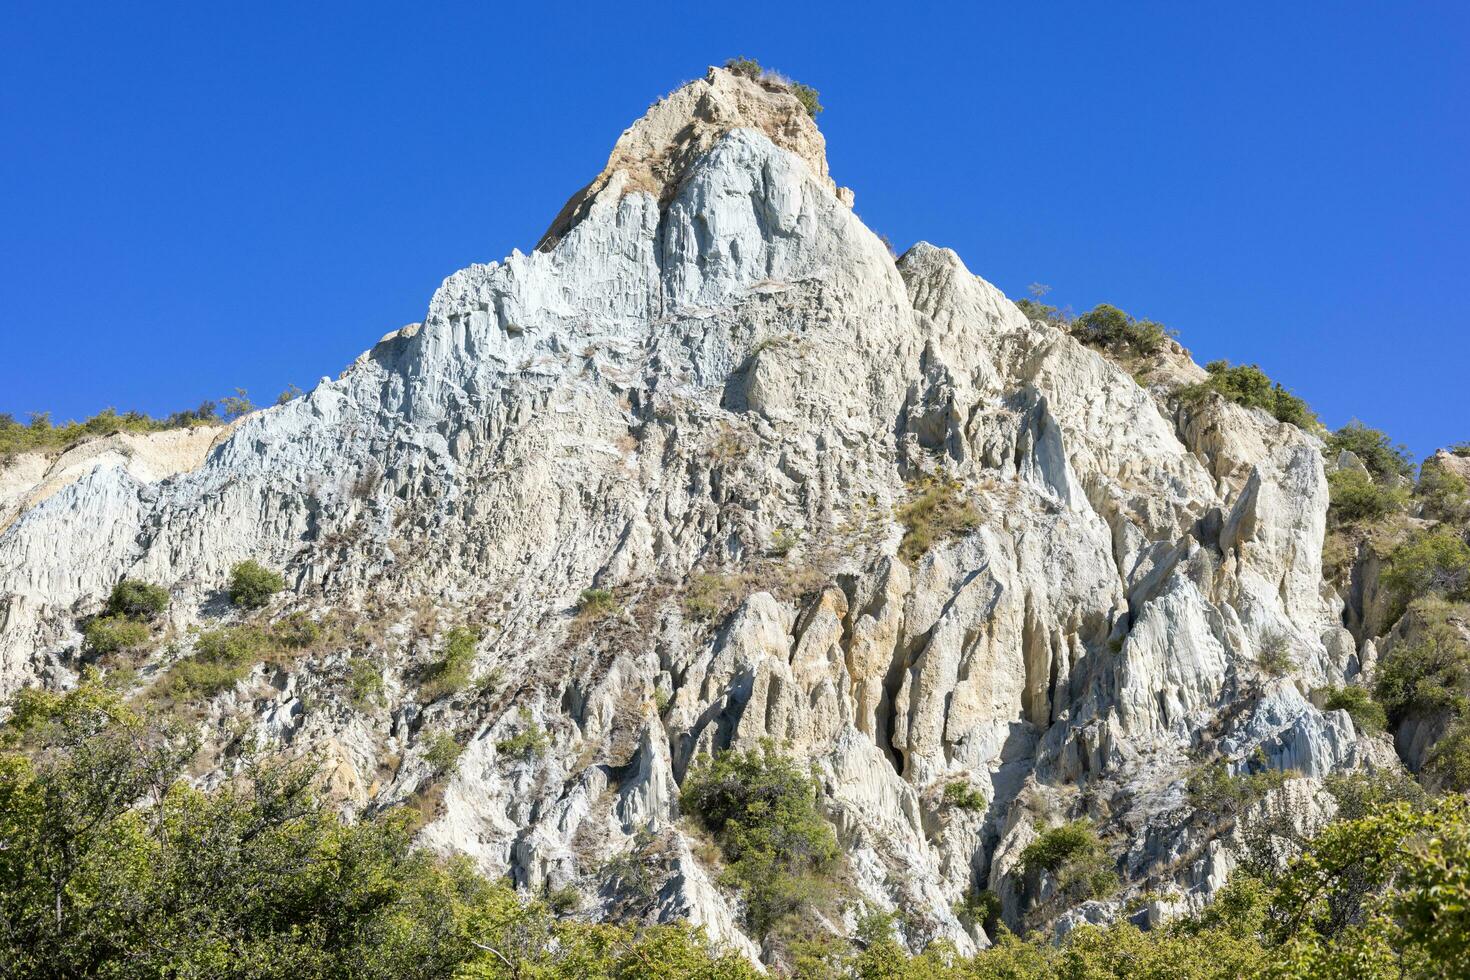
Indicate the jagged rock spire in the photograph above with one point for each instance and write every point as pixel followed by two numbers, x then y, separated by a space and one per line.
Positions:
pixel 654 154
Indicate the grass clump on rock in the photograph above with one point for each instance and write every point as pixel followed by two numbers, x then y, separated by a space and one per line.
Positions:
pixel 939 511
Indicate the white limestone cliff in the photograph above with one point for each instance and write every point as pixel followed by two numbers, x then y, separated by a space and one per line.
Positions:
pixel 712 372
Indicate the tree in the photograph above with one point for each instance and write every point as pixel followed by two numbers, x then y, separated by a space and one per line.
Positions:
pixel 111 866
pixel 761 809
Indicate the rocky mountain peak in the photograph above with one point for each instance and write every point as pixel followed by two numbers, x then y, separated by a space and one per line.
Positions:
pixel 654 155
pixel 711 470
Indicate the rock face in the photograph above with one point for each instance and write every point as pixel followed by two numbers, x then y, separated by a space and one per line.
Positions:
pixel 710 391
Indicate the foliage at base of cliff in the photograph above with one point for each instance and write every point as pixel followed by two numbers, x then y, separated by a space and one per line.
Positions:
pixel 111 865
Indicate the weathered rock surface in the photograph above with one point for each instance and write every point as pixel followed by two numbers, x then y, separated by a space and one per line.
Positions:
pixel 713 380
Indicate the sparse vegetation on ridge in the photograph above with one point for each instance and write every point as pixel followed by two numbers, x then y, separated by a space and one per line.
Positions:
pixel 1248 385
pixel 809 97
pixel 40 435
pixel 1110 328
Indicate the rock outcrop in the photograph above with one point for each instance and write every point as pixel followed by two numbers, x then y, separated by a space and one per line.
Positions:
pixel 711 391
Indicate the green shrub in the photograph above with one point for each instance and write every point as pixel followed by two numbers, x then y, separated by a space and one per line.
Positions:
pixel 761 809
pixel 1429 670
pixel 252 584
pixel 236 405
pixel 442 753
pixel 136 600
pixel 1368 715
pixel 940 511
pixel 1448 762
pixel 809 98
pixel 1248 385
pixel 221 658
pixel 529 743
pixel 113 634
pixel 1356 498
pixel 297 631
pixel 1039 311
pixel 1435 562
pixel 190 680
pixel 232 645
pixel 1109 327
pixel 1360 793
pixel 564 900
pixel 452 672
pixel 1373 447
pixel 1445 495
pixel 1058 845
pixel 364 682
pixel 1215 791
pixel 1275 657
pixel 744 67
pixel 962 796
pixel 1072 853
pixel 980 907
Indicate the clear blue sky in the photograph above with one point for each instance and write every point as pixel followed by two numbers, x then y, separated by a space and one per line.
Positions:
pixel 198 196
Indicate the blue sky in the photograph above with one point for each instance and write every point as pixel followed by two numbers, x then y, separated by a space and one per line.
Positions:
pixel 195 197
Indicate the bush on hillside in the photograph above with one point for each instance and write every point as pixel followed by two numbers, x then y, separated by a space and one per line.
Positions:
pixel 1109 327
pixel 962 796
pixel 1429 562
pixel 1073 855
pixel 221 659
pixel 136 600
pixel 452 671
pixel 1373 447
pixel 115 634
pixel 252 584
pixel 745 67
pixel 809 98
pixel 442 753
pixel 1447 767
pixel 1428 669
pixel 1215 791
pixel 1445 496
pixel 1367 714
pixel 1356 498
pixel 761 808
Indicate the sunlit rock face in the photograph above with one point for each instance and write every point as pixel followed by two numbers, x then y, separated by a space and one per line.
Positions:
pixel 710 391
